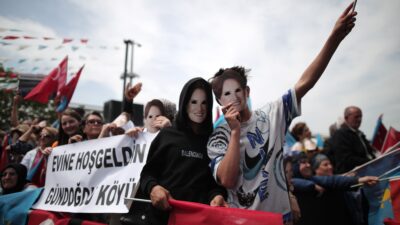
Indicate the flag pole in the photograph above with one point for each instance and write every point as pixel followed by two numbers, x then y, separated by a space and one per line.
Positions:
pixel 139 200
pixel 382 179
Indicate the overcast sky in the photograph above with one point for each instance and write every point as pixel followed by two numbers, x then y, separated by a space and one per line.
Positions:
pixel 277 39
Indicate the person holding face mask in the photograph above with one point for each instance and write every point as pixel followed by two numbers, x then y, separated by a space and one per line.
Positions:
pixel 155 116
pixel 177 164
pixel 247 150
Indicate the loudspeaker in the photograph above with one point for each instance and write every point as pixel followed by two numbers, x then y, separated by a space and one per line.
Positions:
pixel 112 109
pixel 137 114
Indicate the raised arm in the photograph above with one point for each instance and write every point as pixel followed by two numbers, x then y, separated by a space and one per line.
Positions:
pixel 130 93
pixel 14 110
pixel 311 75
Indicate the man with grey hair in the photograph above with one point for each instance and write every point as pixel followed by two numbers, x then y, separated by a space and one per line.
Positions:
pixel 349 145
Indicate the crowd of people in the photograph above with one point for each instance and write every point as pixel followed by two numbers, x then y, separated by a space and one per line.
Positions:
pixel 240 163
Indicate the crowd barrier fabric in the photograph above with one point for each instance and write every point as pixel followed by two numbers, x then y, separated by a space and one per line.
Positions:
pixel 184 213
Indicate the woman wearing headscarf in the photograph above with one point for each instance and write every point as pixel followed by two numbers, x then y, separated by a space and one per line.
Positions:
pixel 325 198
pixel 13 178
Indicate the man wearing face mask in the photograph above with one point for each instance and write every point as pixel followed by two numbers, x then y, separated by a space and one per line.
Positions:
pixel 246 152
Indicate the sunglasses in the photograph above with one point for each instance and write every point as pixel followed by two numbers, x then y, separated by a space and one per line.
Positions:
pixel 94 122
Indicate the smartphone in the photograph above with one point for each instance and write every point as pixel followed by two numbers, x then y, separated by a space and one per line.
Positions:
pixel 354 6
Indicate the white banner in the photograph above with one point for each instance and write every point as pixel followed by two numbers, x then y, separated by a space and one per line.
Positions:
pixel 94 176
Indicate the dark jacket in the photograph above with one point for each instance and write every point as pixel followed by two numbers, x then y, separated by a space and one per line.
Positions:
pixel 350 149
pixel 329 208
pixel 178 159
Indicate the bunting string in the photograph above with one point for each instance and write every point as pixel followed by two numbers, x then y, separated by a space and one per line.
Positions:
pixel 8 39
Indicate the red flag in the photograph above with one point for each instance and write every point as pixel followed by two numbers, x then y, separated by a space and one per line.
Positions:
pixel 38 216
pixel 392 138
pixel 184 213
pixel 389 221
pixel 50 84
pixel 379 134
pixel 395 196
pixel 38 177
pixel 67 91
pixel 84 41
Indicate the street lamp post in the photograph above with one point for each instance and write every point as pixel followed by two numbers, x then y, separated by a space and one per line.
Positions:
pixel 131 75
pixel 127 43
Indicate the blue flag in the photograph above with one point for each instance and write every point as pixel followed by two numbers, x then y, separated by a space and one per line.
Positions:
pixel 320 141
pixel 14 207
pixel 378 196
pixel 380 165
pixel 289 139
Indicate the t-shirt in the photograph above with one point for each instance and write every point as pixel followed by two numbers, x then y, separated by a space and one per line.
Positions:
pixel 262 182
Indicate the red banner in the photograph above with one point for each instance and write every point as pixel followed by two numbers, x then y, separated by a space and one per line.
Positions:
pixel 184 213
pixel 38 217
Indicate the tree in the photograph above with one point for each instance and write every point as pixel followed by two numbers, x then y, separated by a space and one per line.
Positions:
pixel 26 110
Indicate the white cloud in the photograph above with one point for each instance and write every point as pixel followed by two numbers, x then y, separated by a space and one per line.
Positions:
pixel 277 39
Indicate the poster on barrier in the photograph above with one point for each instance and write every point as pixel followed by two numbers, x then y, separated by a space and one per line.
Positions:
pixel 94 176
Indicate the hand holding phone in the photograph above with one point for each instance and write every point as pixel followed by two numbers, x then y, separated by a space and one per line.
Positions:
pixel 354 6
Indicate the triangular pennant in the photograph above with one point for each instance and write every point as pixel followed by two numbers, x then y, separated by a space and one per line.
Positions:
pixel 48 38
pixel 15 30
pixel 67 40
pixel 22 47
pixel 10 37
pixel 5 43
pixel 29 37
pixel 41 47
